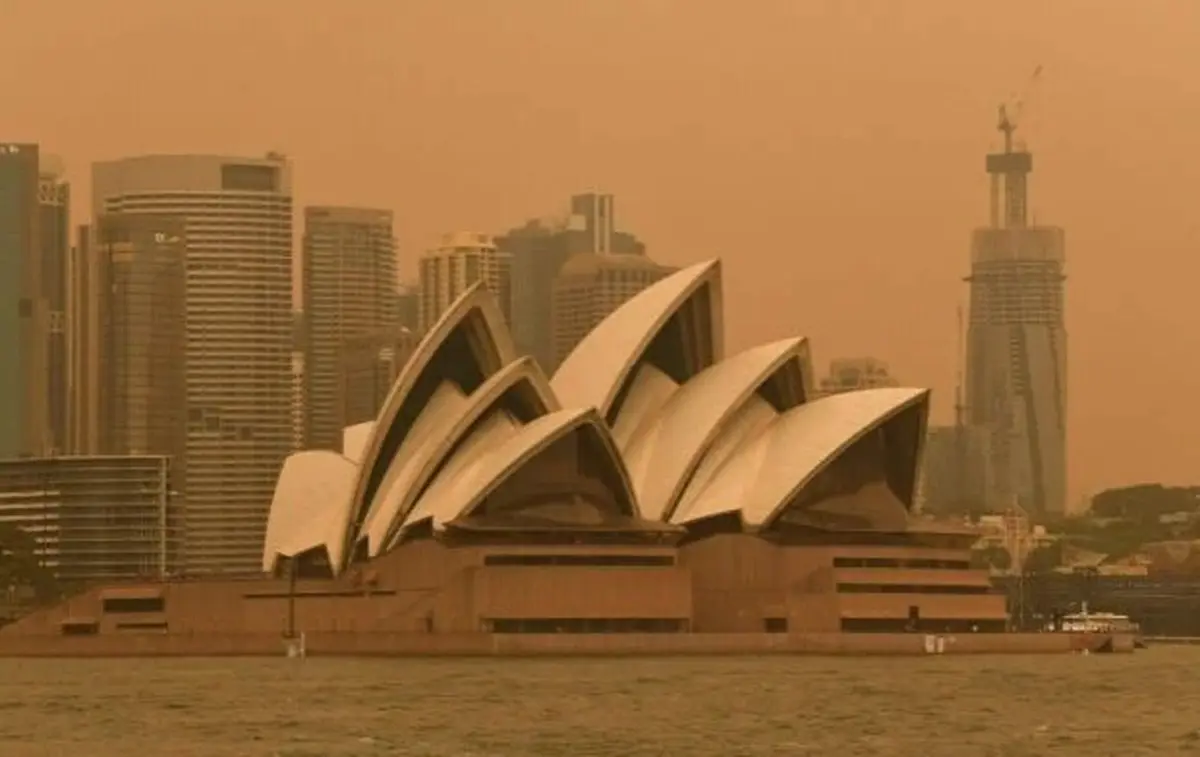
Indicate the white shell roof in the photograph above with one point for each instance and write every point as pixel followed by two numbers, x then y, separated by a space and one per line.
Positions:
pixel 395 490
pixel 746 423
pixel 311 495
pixel 666 450
pixel 477 311
pixel 355 439
pixel 447 430
pixel 769 470
pixel 475 481
pixel 438 502
pixel 593 374
pixel 649 390
pixel 708 446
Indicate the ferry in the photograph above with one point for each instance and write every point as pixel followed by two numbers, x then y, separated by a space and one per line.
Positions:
pixel 1085 621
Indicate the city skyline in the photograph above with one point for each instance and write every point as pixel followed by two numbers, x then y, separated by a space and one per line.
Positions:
pixel 345 232
pixel 836 156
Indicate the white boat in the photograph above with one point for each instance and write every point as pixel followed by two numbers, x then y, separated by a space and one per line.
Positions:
pixel 1085 621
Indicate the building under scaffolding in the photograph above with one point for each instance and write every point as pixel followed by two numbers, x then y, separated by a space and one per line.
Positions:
pixel 94 518
pixel 1016 341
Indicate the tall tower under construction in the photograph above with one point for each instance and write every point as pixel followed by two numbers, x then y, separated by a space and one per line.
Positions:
pixel 1016 341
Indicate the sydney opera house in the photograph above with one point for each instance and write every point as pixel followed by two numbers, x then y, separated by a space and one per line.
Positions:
pixel 653 487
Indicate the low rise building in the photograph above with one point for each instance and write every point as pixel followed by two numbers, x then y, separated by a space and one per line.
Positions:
pixel 94 518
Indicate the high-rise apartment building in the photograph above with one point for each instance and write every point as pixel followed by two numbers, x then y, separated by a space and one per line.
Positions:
pixel 24 314
pixel 237 214
pixel 590 287
pixel 1016 341
pixel 462 259
pixel 850 374
pixel 349 293
pixel 54 241
pixel 538 251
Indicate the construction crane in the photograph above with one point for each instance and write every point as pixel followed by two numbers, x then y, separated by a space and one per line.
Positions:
pixel 960 410
pixel 1008 123
pixel 1010 168
pixel 962 495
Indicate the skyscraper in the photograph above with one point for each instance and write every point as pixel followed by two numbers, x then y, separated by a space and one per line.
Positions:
pixel 82 315
pixel 136 340
pixel 140 273
pixel 538 250
pixel 1016 341
pixel 237 214
pixel 54 242
pixel 408 307
pixel 593 214
pixel 590 287
pixel 956 471
pixel 462 259
pixel 349 294
pixel 368 367
pixel 24 314
pixel 593 223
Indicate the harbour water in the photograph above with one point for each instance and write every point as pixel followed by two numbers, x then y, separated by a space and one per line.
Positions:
pixel 1142 704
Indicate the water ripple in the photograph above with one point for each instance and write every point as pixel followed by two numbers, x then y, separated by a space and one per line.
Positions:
pixel 1128 705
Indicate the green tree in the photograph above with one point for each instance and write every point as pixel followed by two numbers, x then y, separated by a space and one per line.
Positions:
pixel 1043 559
pixel 1145 502
pixel 19 564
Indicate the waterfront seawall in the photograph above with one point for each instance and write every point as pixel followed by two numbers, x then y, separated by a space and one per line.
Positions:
pixel 450 645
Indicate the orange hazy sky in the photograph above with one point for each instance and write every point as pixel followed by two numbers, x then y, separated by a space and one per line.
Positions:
pixel 830 151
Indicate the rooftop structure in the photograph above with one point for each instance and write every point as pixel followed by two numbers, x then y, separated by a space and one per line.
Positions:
pixel 461 260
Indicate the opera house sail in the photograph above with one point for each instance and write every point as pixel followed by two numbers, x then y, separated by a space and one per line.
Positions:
pixel 653 485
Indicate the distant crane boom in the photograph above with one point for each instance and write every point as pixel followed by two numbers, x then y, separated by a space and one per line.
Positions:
pixel 1009 117
pixel 1010 167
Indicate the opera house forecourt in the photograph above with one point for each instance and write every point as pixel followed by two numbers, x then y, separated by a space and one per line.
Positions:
pixel 655 496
